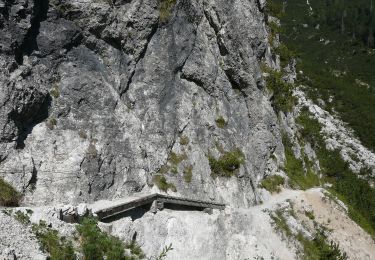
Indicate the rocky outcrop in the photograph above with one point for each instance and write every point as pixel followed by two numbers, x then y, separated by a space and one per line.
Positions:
pixel 96 97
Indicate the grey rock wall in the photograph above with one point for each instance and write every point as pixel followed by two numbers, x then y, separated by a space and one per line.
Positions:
pixel 95 96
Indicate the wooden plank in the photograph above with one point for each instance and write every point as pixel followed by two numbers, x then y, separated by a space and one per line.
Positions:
pixel 121 208
pixel 126 206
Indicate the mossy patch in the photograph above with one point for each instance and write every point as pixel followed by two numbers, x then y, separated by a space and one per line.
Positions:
pixel 55 92
pixel 51 123
pixel 220 122
pixel 176 159
pixel 82 134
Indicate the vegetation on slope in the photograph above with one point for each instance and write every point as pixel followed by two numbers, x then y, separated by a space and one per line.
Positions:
pixel 332 42
pixel 91 241
pixel 282 92
pixel 99 245
pixel 336 66
pixel 51 242
pixel 318 248
pixel 273 183
pixel 294 167
pixel 354 191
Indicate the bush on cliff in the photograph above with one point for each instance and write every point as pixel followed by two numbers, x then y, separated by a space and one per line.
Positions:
pixel 9 197
pixel 99 245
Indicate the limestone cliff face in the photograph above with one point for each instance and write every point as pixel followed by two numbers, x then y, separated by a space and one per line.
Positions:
pixel 97 96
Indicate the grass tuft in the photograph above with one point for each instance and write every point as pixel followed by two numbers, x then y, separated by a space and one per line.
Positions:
pixel 184 140
pixel 54 92
pixel 188 174
pixel 51 123
pixel 220 122
pixel 165 9
pixel 273 183
pixel 162 184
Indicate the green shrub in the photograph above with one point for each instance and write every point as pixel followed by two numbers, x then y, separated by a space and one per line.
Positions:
pixel 99 245
pixel 58 247
pixel 319 248
pixel 188 174
pixel 228 164
pixel 273 183
pixel 220 122
pixel 135 250
pixel 282 92
pixel 22 217
pixel 286 55
pixel 9 196
pixel 311 128
pixel 162 184
pixel 165 9
pixel 274 30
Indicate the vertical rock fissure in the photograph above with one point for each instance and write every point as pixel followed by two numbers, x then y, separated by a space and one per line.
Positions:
pixel 29 43
pixel 141 56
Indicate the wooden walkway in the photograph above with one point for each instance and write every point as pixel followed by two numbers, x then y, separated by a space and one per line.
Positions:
pixel 155 202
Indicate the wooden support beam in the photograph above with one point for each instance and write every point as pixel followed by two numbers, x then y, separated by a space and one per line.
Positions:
pixel 157 202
